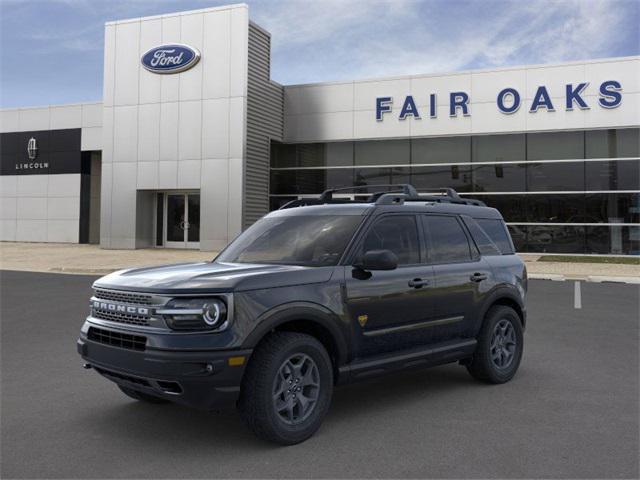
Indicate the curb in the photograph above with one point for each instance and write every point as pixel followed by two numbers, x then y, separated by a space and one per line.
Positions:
pixel 588 278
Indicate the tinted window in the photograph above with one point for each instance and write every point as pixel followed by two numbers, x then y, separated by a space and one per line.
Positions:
pixel 613 175
pixel 613 143
pixel 382 152
pixel 555 145
pixel 427 179
pixel 441 150
pixel 314 240
pixel 397 233
pixel 499 178
pixel 480 237
pixel 447 241
pixel 499 148
pixel 497 232
pixel 555 176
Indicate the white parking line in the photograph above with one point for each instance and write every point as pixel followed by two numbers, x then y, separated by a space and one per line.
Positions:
pixel 577 295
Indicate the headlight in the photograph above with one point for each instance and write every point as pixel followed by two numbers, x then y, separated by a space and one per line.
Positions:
pixel 195 314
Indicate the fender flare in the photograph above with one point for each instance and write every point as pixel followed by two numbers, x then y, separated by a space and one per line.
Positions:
pixel 310 312
pixel 499 293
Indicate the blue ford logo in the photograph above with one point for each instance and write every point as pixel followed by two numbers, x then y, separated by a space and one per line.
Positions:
pixel 172 58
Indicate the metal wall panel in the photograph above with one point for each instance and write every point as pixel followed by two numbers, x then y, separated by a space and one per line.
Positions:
pixel 265 121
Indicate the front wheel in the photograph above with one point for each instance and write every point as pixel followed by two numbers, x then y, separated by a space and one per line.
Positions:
pixel 287 388
pixel 500 345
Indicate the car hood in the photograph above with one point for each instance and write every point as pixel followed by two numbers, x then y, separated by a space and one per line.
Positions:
pixel 212 277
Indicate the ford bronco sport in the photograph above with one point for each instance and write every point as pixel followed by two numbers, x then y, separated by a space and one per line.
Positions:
pixel 323 291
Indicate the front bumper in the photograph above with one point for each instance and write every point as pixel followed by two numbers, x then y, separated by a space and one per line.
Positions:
pixel 206 380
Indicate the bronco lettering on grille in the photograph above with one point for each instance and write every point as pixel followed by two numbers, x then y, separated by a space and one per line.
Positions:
pixel 115 307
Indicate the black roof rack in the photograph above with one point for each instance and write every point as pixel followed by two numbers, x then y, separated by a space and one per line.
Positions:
pixel 405 193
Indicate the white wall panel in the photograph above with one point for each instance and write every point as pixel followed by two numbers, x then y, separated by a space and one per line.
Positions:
pixel 8 185
pixel 150 36
pixel 63 208
pixel 190 130
pixel 8 230
pixel 31 230
pixel 554 78
pixel 237 127
pixel 485 86
pixel 215 128
pixel 169 131
pixel 365 93
pixel 189 174
pixel 336 97
pixel 9 120
pixel 125 134
pixel 626 72
pixel 170 84
pixel 168 174
pixel 34 119
pixel 216 62
pixel 214 203
pixel 63 231
pixel 127 63
pixel 149 132
pixel 91 115
pixel 109 68
pixel 63 185
pixel 65 116
pixel 192 35
pixel 8 208
pixel 422 86
pixel 32 208
pixel 239 52
pixel 32 185
pixel 91 138
pixel 147 176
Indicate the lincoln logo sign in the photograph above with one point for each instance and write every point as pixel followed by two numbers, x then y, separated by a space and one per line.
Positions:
pixel 172 58
pixel 508 101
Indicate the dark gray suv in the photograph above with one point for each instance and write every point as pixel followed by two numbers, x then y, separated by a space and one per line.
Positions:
pixel 323 291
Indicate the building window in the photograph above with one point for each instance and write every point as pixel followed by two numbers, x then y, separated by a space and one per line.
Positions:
pixel 382 152
pixel 555 145
pixel 613 143
pixel 499 148
pixel 440 150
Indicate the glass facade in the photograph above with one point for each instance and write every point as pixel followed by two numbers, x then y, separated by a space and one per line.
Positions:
pixel 560 192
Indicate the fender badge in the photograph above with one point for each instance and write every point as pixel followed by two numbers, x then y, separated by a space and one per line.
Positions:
pixel 362 319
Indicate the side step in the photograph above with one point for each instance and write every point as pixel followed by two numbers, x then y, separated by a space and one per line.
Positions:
pixel 428 356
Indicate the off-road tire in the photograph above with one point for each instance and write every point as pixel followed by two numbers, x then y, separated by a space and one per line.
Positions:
pixel 141 396
pixel 257 404
pixel 482 365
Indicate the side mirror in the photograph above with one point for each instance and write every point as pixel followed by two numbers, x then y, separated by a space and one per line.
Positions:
pixel 378 260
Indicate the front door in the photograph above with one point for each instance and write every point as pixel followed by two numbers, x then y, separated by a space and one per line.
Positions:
pixel 391 309
pixel 182 220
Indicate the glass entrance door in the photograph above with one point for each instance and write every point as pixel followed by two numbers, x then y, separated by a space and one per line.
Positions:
pixel 182 220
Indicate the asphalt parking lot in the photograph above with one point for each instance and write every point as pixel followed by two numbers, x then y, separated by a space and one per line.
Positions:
pixel 571 412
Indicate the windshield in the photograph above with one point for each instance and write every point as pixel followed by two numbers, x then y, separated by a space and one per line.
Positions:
pixel 314 240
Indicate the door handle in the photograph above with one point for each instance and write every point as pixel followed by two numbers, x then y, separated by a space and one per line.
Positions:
pixel 418 283
pixel 478 277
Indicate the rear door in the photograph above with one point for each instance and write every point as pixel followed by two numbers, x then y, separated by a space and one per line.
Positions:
pixel 388 308
pixel 461 276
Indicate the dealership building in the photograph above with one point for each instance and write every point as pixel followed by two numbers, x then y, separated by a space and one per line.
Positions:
pixel 193 142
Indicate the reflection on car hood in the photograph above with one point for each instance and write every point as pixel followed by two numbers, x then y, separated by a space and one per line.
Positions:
pixel 212 277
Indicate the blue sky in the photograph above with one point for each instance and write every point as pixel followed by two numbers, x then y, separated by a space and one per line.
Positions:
pixel 51 50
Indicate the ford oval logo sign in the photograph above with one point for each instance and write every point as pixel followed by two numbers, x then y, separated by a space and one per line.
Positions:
pixel 172 58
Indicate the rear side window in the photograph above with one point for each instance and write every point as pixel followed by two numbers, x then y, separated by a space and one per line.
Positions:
pixel 397 233
pixel 484 243
pixel 447 241
pixel 498 233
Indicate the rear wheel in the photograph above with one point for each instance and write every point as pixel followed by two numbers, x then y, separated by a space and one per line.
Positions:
pixel 141 396
pixel 500 345
pixel 287 388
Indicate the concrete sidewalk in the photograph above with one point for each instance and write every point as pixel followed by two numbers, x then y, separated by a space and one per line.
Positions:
pixel 90 259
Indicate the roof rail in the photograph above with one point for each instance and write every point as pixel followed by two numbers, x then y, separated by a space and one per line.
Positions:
pixel 407 189
pixel 407 193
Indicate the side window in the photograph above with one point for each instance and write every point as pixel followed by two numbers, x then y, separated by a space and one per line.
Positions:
pixel 397 233
pixel 447 240
pixel 484 243
pixel 497 232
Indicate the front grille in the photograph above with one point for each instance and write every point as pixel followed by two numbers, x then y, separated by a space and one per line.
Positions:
pixel 124 297
pixel 117 339
pixel 119 317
